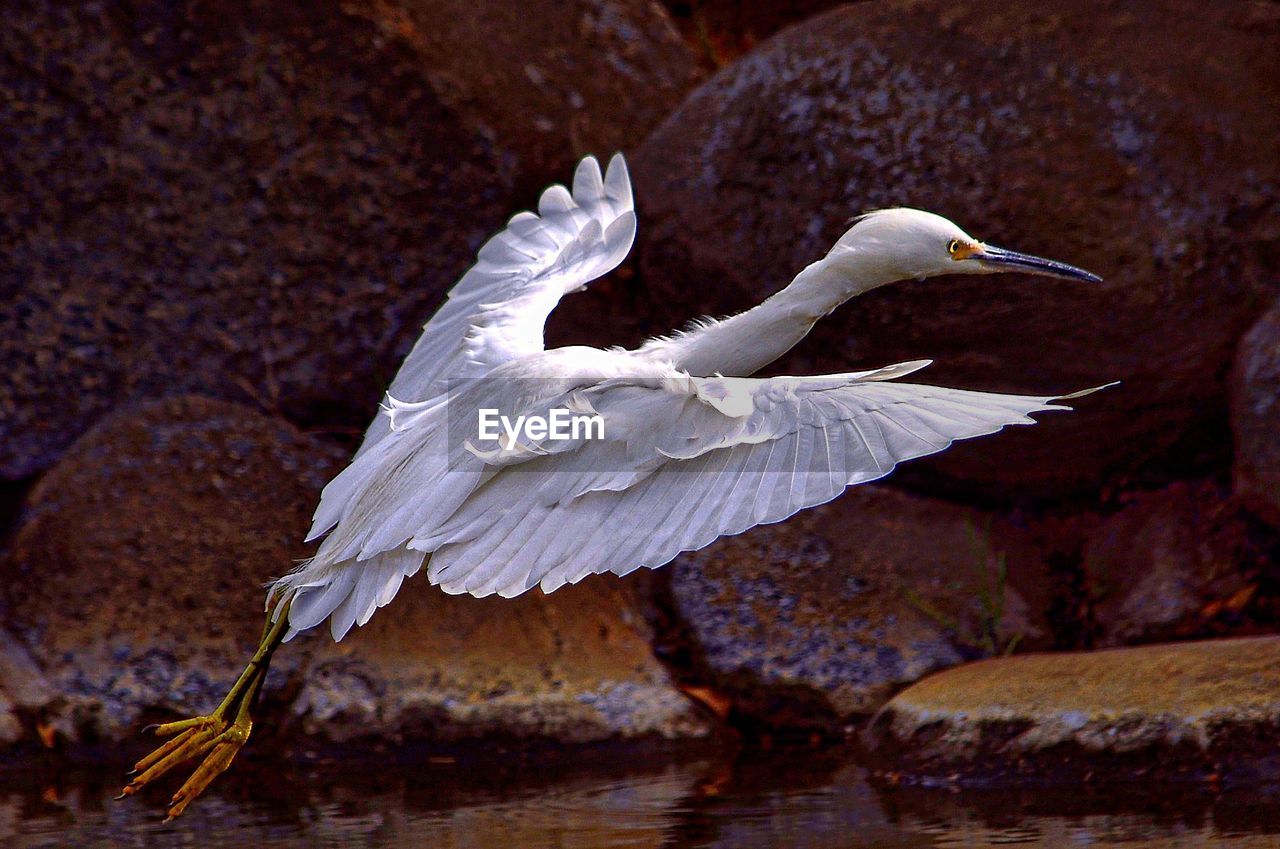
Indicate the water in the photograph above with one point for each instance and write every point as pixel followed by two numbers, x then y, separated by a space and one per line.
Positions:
pixel 617 800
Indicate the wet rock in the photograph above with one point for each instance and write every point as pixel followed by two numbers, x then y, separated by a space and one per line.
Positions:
pixel 136 578
pixel 255 201
pixel 824 616
pixel 1255 417
pixel 1202 710
pixel 552 80
pixel 1172 563
pixel 1072 132
pixel 575 666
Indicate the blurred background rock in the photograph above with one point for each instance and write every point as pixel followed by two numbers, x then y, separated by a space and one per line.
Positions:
pixel 222 225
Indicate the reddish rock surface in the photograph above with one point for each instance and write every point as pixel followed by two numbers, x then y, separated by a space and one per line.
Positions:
pixel 1172 563
pixel 135 582
pixel 826 615
pixel 1255 417
pixel 553 80
pixel 1069 131
pixel 575 666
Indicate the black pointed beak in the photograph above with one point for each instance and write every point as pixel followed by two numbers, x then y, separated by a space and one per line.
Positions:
pixel 999 259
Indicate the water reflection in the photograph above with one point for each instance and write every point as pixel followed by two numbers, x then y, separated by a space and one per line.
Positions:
pixel 620 799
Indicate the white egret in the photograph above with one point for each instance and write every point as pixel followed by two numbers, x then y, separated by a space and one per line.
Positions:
pixel 692 447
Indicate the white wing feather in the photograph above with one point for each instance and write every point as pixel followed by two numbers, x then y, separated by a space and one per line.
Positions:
pixel 803 442
pixel 496 312
pixel 686 460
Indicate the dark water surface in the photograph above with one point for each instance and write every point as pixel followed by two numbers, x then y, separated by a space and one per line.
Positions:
pixel 619 799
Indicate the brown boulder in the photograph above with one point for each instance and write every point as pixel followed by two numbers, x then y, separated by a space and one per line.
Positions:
pixel 1255 417
pixel 824 616
pixel 553 80
pixel 575 666
pixel 256 201
pixel 135 582
pixel 135 578
pixel 1206 711
pixel 1172 563
pixel 1070 131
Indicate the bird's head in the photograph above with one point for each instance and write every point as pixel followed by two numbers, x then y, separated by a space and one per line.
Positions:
pixel 911 243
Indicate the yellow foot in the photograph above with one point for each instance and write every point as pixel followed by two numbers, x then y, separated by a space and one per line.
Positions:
pixel 210 736
pixel 214 738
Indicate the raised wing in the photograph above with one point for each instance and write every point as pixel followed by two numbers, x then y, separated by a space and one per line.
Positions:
pixel 496 312
pixel 725 454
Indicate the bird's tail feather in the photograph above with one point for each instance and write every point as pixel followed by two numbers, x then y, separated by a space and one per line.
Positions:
pixel 346 593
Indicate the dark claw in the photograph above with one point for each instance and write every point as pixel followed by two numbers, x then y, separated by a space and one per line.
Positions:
pixel 151 727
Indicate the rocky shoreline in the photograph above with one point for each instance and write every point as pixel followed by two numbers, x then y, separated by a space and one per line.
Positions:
pixel 216 257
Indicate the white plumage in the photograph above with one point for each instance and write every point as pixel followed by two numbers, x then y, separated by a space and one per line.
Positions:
pixel 496 312
pixel 693 448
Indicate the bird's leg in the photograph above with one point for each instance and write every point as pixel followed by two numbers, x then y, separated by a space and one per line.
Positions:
pixel 217 736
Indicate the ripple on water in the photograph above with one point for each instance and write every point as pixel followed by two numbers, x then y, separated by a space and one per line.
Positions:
pixel 754 800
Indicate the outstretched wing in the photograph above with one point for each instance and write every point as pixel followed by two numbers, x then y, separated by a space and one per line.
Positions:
pixel 684 460
pixel 725 454
pixel 496 312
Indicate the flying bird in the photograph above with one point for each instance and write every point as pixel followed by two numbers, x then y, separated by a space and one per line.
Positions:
pixel 690 447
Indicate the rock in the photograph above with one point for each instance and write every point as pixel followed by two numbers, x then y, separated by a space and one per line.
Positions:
pixel 1071 132
pixel 256 201
pixel 264 202
pixel 1170 564
pixel 574 666
pixel 822 617
pixel 553 80
pixel 24 691
pixel 136 578
pixel 1201 710
pixel 1255 417
pixel 21 681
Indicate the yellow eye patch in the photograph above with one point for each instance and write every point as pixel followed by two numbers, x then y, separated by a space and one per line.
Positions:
pixel 963 250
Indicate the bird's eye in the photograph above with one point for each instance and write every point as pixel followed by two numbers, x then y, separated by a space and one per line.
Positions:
pixel 953 246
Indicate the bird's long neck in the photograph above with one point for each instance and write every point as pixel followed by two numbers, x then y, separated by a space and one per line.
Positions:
pixel 747 342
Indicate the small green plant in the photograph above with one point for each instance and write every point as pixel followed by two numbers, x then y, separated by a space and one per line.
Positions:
pixel 990 573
